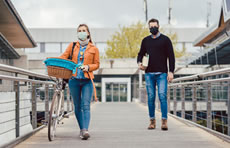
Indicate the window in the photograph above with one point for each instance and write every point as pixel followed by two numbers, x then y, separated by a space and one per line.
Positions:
pixel 227 2
pixel 42 47
pixel 52 47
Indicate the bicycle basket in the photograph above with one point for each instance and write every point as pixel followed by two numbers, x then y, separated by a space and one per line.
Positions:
pixel 60 68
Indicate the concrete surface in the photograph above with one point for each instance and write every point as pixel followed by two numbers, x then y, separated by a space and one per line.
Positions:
pixel 124 125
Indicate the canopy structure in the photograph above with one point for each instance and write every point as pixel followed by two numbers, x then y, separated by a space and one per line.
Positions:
pixel 13 31
pixel 217 38
pixel 6 49
pixel 218 54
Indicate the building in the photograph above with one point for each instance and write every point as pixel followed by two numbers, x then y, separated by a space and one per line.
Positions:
pixel 117 79
pixel 13 35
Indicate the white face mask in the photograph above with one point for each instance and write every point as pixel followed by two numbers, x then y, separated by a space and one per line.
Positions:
pixel 82 35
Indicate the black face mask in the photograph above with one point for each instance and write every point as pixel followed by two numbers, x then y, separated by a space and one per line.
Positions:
pixel 154 30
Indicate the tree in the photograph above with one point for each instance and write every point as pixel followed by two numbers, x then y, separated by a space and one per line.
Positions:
pixel 126 42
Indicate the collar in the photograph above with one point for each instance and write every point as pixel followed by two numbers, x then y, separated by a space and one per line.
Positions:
pixel 158 35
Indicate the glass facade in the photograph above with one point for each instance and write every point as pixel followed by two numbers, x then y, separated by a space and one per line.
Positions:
pixel 116 92
pixel 60 47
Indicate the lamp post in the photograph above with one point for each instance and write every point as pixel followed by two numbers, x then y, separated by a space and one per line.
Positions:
pixel 146 10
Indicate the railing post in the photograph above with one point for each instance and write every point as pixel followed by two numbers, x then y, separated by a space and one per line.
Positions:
pixel 72 104
pixel 209 107
pixel 17 108
pixel 68 99
pixel 194 104
pixel 182 102
pixel 34 107
pixel 229 108
pixel 46 103
pixel 174 101
pixel 168 96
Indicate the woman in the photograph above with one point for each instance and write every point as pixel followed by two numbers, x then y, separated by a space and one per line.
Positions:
pixel 80 84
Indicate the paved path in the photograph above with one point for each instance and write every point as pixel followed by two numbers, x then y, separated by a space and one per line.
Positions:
pixel 124 125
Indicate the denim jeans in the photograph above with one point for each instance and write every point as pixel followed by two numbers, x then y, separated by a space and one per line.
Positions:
pixel 81 91
pixel 160 80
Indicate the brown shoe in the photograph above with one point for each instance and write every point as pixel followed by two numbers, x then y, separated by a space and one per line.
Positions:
pixel 164 125
pixel 152 124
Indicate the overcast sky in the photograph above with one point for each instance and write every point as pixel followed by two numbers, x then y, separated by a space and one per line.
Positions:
pixel 111 13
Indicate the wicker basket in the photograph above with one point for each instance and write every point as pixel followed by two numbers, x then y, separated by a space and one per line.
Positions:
pixel 59 72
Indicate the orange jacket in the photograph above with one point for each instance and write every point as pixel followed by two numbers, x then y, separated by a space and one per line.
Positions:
pixel 91 57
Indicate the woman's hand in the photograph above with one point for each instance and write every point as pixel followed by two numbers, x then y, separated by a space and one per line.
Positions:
pixel 85 68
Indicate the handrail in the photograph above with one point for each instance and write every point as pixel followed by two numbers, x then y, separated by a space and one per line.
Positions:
pixel 202 75
pixel 199 82
pixel 25 80
pixel 34 99
pixel 13 69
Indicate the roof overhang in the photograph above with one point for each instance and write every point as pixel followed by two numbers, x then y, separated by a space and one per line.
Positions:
pixel 13 28
pixel 7 49
pixel 215 56
pixel 212 31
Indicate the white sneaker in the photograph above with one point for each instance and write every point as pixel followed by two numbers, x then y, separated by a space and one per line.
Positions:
pixel 81 134
pixel 85 135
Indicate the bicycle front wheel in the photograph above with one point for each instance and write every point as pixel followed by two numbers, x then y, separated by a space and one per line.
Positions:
pixel 53 117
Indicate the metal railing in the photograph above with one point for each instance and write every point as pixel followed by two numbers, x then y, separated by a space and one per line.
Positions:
pixel 203 99
pixel 25 98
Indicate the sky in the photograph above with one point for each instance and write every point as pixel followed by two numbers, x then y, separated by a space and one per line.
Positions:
pixel 112 13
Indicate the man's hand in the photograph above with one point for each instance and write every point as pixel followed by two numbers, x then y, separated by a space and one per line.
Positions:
pixel 170 77
pixel 141 67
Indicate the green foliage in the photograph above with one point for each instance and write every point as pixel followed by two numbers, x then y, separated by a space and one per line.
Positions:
pixel 126 42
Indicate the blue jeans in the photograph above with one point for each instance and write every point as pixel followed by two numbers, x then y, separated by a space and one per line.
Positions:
pixel 160 80
pixel 81 91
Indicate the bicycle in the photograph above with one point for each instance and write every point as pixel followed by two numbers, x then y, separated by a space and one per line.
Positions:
pixel 61 69
pixel 57 112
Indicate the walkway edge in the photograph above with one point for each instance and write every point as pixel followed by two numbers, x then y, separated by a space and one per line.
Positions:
pixel 20 139
pixel 215 133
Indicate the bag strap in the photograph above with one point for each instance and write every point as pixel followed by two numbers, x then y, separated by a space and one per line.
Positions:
pixel 94 88
pixel 71 56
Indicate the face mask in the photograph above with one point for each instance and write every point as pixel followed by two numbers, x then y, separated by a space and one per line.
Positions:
pixel 82 35
pixel 154 30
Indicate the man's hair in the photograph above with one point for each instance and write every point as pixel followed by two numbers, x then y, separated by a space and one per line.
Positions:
pixel 153 20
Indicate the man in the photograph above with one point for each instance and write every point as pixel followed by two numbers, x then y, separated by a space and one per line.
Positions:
pixel 160 50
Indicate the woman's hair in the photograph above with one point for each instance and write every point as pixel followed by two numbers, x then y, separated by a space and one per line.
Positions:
pixel 89 37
